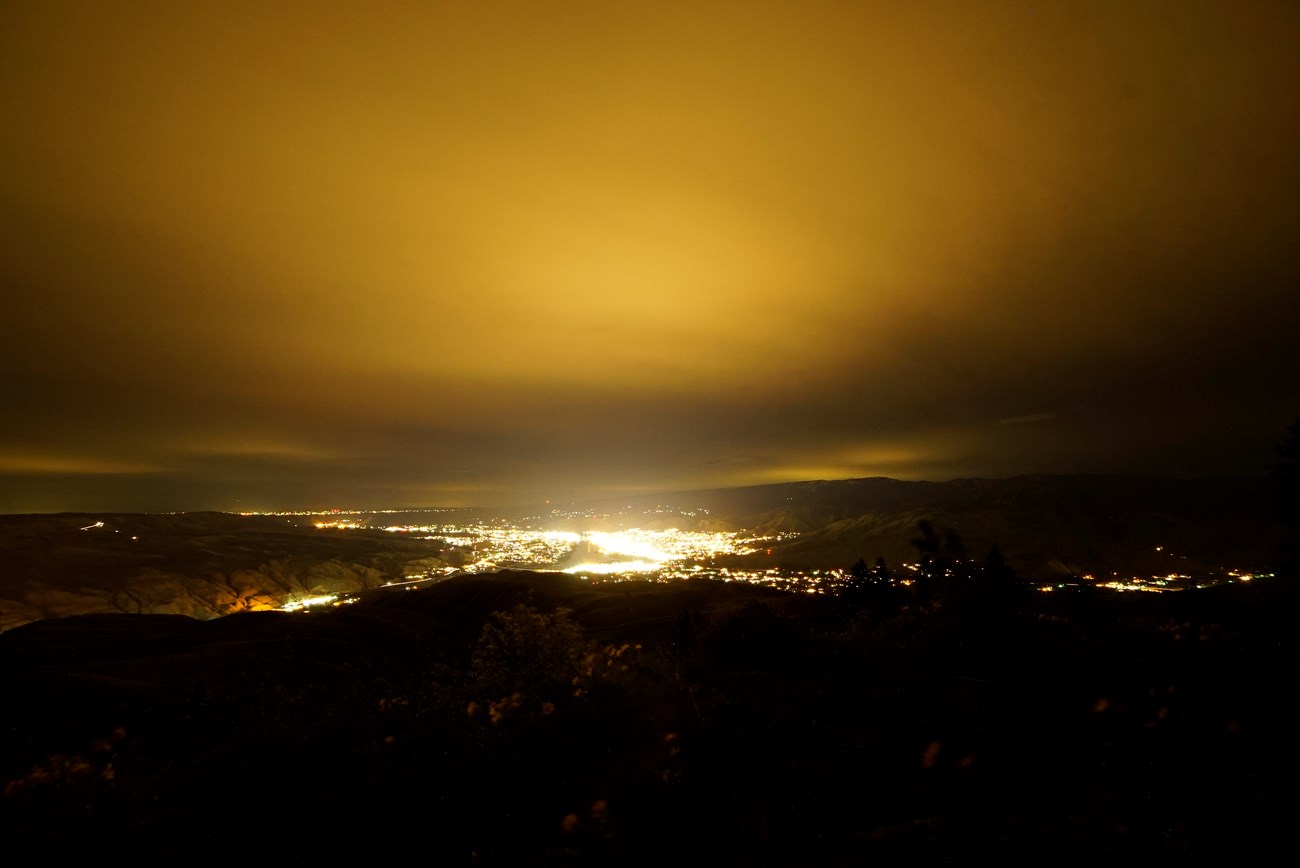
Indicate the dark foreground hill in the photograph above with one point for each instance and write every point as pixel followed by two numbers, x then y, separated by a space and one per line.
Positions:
pixel 698 722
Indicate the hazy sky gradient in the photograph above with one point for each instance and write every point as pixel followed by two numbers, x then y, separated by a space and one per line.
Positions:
pixel 262 255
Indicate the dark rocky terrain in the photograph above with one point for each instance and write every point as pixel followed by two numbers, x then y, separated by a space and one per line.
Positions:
pixel 203 564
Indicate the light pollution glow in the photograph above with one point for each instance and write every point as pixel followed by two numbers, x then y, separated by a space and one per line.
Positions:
pixel 439 253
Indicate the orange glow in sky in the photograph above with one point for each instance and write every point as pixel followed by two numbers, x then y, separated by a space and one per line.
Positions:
pixel 424 252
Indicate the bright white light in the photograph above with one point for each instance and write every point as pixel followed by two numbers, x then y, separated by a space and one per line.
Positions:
pixel 619 567
pixel 636 543
pixel 305 602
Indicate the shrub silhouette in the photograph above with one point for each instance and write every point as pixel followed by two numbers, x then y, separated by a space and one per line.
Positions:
pixel 535 654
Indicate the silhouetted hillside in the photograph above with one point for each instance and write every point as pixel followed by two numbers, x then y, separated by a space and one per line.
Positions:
pixel 701 722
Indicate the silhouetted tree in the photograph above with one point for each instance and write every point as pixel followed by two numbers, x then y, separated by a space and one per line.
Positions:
pixel 857 588
pixel 999 585
pixel 945 569
pixel 927 544
pixel 868 585
pixel 882 574
pixel 953 547
pixel 985 591
pixel 929 550
pixel 859 572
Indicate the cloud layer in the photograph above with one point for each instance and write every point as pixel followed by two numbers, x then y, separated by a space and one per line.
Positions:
pixel 496 252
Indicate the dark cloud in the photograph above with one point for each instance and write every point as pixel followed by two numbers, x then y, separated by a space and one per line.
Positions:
pixel 494 253
pixel 1028 419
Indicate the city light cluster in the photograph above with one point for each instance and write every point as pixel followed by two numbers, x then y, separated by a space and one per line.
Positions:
pixel 497 545
pixel 667 555
pixel 492 546
pixel 651 550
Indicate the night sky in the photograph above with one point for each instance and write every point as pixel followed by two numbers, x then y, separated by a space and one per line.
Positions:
pixel 275 255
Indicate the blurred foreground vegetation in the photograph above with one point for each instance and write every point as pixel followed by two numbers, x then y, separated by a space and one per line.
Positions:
pixel 518 719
